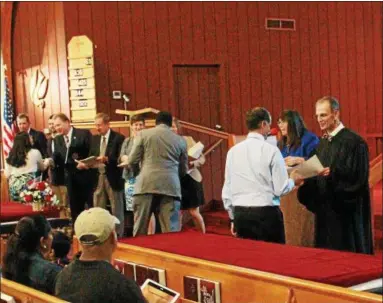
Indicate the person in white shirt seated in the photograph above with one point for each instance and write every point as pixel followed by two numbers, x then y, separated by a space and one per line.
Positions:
pixel 22 164
pixel 255 178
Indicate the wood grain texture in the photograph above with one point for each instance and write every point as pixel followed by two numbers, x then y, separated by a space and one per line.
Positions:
pixel 335 50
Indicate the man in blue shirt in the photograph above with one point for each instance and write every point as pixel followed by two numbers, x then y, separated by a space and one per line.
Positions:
pixel 255 178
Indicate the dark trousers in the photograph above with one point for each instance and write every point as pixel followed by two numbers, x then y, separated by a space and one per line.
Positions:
pixel 259 223
pixel 79 192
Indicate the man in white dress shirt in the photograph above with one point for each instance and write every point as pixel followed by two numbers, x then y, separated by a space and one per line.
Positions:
pixel 255 178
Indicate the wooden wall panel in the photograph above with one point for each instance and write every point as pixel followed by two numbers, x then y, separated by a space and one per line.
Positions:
pixel 164 51
pixel 336 49
pixel 377 18
pixel 137 42
pixel 101 53
pixel 38 44
pixel 113 43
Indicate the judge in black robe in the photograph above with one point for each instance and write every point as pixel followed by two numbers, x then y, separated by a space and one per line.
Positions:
pixel 341 201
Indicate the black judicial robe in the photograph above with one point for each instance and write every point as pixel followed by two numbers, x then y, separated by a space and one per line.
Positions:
pixel 341 201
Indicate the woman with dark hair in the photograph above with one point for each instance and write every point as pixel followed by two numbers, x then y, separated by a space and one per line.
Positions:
pixel 296 143
pixel 60 248
pixel 25 258
pixel 22 164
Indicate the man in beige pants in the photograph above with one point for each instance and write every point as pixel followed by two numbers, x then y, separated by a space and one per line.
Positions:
pixel 107 176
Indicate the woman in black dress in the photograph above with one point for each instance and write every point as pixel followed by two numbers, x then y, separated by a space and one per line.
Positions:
pixel 191 185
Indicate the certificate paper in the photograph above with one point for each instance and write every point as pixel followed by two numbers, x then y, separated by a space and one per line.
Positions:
pixel 310 168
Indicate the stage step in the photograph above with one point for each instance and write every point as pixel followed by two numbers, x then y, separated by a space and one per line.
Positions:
pixel 217 222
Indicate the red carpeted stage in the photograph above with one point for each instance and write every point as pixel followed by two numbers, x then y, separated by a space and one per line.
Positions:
pixel 319 265
pixel 12 211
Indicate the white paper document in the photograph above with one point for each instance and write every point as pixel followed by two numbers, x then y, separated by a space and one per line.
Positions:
pixel 310 168
pixel 196 150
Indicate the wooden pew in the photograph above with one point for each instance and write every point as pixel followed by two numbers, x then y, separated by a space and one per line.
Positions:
pixel 238 284
pixel 24 294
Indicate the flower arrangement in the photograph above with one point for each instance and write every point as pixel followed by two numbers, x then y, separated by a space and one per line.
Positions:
pixel 39 194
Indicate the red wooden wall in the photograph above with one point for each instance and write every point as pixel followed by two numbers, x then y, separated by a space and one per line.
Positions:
pixel 336 49
pixel 38 42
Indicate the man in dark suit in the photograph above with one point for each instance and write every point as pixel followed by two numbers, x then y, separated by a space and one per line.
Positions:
pixel 56 174
pixel 38 138
pixel 108 182
pixel 70 145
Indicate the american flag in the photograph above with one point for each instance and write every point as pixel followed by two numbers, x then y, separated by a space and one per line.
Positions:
pixel 8 125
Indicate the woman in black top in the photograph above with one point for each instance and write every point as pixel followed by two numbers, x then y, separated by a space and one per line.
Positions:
pixel 25 258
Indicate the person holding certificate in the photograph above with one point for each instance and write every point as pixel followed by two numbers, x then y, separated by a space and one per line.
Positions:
pixel 137 123
pixel 255 179
pixel 340 195
pixel 106 175
pixel 296 143
pixel 191 184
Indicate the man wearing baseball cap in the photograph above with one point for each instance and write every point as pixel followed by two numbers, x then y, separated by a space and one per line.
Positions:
pixel 91 277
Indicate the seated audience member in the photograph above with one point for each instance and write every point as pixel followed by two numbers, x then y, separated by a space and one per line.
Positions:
pixel 22 164
pixel 191 184
pixel 130 173
pixel 92 277
pixel 296 143
pixel 25 260
pixel 60 248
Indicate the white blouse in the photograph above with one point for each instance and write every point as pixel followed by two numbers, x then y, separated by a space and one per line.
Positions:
pixel 34 162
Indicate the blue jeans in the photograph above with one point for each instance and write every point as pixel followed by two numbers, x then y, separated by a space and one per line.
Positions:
pixel 175 223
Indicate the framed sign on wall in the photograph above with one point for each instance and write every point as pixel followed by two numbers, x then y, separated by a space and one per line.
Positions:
pixel 81 76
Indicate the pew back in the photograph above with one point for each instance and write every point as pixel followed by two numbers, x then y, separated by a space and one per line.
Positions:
pixel 24 294
pixel 238 284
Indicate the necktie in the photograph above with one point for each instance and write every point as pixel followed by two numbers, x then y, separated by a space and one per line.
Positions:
pixel 101 168
pixel 66 141
pixel 103 146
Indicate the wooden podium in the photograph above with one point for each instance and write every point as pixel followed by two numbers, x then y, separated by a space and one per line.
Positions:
pixel 299 222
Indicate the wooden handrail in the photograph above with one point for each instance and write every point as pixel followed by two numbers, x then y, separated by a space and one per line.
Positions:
pixel 376 160
pixel 376 171
pixel 205 130
pixel 187 125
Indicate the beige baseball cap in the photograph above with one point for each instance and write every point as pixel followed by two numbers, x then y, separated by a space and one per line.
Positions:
pixel 94 226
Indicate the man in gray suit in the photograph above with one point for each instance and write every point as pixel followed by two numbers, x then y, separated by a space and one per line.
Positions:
pixel 163 157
